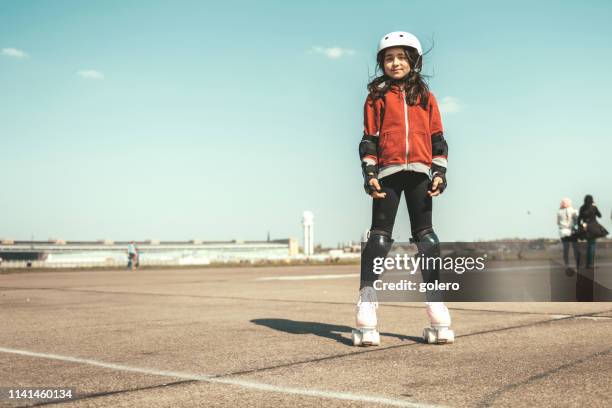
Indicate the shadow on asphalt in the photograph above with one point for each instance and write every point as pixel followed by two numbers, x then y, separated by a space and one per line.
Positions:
pixel 328 331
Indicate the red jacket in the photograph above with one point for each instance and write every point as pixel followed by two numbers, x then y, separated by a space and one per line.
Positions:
pixel 409 137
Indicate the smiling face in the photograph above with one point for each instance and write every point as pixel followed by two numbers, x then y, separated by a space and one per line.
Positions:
pixel 396 63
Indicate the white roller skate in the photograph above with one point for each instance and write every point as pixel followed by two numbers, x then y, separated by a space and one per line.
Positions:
pixel 366 333
pixel 439 332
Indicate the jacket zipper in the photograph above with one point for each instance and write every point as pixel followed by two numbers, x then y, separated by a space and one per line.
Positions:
pixel 406 123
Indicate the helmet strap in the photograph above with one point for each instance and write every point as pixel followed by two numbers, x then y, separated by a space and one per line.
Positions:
pixel 417 64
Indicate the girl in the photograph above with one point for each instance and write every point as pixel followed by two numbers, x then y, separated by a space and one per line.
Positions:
pixel 402 151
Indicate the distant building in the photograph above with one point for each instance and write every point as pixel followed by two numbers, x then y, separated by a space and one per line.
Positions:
pixel 152 252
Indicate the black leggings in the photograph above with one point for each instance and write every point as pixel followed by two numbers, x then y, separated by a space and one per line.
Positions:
pixel 566 241
pixel 414 185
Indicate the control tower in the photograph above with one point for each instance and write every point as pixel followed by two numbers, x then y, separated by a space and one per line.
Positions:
pixel 308 224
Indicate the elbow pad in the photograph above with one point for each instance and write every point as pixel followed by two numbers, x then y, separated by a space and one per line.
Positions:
pixel 368 146
pixel 439 147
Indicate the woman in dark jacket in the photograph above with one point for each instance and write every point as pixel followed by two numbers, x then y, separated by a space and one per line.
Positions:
pixel 591 229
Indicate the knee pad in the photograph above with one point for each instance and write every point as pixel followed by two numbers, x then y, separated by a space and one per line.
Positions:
pixel 378 246
pixel 427 242
pixel 426 235
pixel 428 245
pixel 378 241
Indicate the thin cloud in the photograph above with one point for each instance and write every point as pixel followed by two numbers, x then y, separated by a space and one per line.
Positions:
pixel 90 74
pixel 450 104
pixel 333 52
pixel 14 53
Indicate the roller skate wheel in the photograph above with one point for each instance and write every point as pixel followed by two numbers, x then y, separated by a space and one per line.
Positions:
pixel 366 337
pixel 446 336
pixel 356 337
pixel 429 335
pixel 438 336
pixel 371 338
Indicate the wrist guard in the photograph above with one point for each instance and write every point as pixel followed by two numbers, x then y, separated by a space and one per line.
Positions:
pixel 370 172
pixel 368 146
pixel 438 171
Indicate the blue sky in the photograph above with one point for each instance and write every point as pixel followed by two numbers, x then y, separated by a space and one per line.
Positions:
pixel 181 120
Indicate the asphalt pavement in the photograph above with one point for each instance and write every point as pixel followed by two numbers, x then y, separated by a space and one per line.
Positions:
pixel 280 336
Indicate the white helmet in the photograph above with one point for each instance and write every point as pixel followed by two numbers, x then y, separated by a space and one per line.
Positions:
pixel 399 39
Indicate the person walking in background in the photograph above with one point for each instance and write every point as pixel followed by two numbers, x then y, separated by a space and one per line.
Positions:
pixel 567 220
pixel 137 259
pixel 590 229
pixel 132 256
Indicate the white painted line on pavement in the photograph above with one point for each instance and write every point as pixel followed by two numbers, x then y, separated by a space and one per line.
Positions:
pixel 596 318
pixel 308 277
pixel 347 396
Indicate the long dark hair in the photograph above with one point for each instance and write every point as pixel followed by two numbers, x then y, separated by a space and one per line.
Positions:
pixel 414 82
